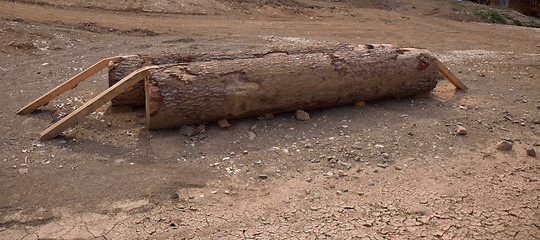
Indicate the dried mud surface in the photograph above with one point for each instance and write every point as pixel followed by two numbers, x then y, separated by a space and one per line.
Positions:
pixel 394 169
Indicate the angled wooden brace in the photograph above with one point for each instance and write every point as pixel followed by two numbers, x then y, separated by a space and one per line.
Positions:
pixel 69 84
pixel 96 102
pixel 450 76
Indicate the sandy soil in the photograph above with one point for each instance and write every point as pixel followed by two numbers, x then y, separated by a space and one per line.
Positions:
pixel 394 169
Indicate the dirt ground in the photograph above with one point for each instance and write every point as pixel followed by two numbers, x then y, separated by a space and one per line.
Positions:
pixel 395 169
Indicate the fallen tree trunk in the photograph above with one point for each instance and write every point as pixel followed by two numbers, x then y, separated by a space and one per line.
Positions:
pixel 201 92
pixel 135 95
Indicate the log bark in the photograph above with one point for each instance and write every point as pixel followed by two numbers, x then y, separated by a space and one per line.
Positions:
pixel 135 96
pixel 201 92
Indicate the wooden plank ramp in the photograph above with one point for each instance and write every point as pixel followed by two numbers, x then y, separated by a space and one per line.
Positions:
pixel 91 106
pixel 69 84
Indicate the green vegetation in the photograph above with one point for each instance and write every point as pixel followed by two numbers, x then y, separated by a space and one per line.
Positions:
pixel 507 16
pixel 497 14
pixel 532 24
pixel 491 15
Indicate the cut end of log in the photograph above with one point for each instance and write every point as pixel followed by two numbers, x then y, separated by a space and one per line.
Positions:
pixel 223 123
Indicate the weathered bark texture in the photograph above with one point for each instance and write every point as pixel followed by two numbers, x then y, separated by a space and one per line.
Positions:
pixel 135 96
pixel 200 92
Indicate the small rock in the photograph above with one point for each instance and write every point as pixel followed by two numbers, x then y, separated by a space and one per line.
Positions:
pixel 418 209
pixel 504 146
pixel 23 170
pixel 268 116
pixel 370 182
pixel 339 192
pixel 536 121
pixel 309 180
pixel 120 160
pixel 345 164
pixel 302 115
pixel 187 130
pixel 200 129
pixel 531 152
pixel 397 167
pixel 382 165
pixel 251 135
pixel 223 123
pixel 342 174
pixel 386 155
pixel 360 104
pixel 461 130
pixel 263 176
pixel 175 196
pixel 481 74
pixel 288 137
pixel 330 174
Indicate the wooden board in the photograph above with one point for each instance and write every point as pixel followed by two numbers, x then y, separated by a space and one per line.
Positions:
pixel 69 84
pixel 89 107
pixel 450 76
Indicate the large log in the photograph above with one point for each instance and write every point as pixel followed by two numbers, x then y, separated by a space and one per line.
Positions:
pixel 135 96
pixel 201 92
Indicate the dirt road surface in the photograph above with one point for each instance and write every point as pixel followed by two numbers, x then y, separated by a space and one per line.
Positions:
pixel 394 169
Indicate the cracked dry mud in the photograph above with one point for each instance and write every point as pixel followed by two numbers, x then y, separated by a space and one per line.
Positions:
pixel 393 169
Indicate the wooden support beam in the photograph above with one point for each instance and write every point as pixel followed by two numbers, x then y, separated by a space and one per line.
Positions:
pixel 450 76
pixel 89 107
pixel 69 84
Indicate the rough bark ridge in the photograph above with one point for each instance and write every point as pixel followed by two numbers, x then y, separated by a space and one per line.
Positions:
pixel 200 92
pixel 135 96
